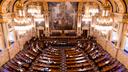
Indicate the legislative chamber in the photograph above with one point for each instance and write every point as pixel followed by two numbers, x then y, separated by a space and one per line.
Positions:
pixel 63 35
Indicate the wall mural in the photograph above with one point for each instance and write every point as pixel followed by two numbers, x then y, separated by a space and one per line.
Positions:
pixel 63 15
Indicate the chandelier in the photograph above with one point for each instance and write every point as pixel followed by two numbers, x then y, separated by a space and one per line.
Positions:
pixel 86 18
pixel 22 22
pixel 106 18
pixel 91 9
pixel 34 10
pixel 39 18
pixel 21 18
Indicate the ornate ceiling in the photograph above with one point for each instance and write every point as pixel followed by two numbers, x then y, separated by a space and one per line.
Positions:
pixel 9 6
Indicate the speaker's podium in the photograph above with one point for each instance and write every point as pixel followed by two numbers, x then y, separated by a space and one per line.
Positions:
pixel 63 34
pixel 85 33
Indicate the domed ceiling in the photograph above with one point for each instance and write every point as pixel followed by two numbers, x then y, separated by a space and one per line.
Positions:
pixel 9 6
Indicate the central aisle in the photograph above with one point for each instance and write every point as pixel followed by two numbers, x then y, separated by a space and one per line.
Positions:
pixel 63 60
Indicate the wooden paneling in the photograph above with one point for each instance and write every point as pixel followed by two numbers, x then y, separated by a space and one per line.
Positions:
pixel 4 57
pixel 123 57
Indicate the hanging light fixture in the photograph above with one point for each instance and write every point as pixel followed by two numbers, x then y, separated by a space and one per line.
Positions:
pixel 35 10
pixel 21 18
pixel 91 9
pixel 21 21
pixel 87 17
pixel 106 18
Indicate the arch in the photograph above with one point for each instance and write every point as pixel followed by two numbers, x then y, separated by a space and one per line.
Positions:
pixel 4 5
pixel 125 3
pixel 96 1
pixel 13 5
pixel 121 4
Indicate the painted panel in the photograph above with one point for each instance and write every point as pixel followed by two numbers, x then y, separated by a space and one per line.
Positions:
pixel 63 15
